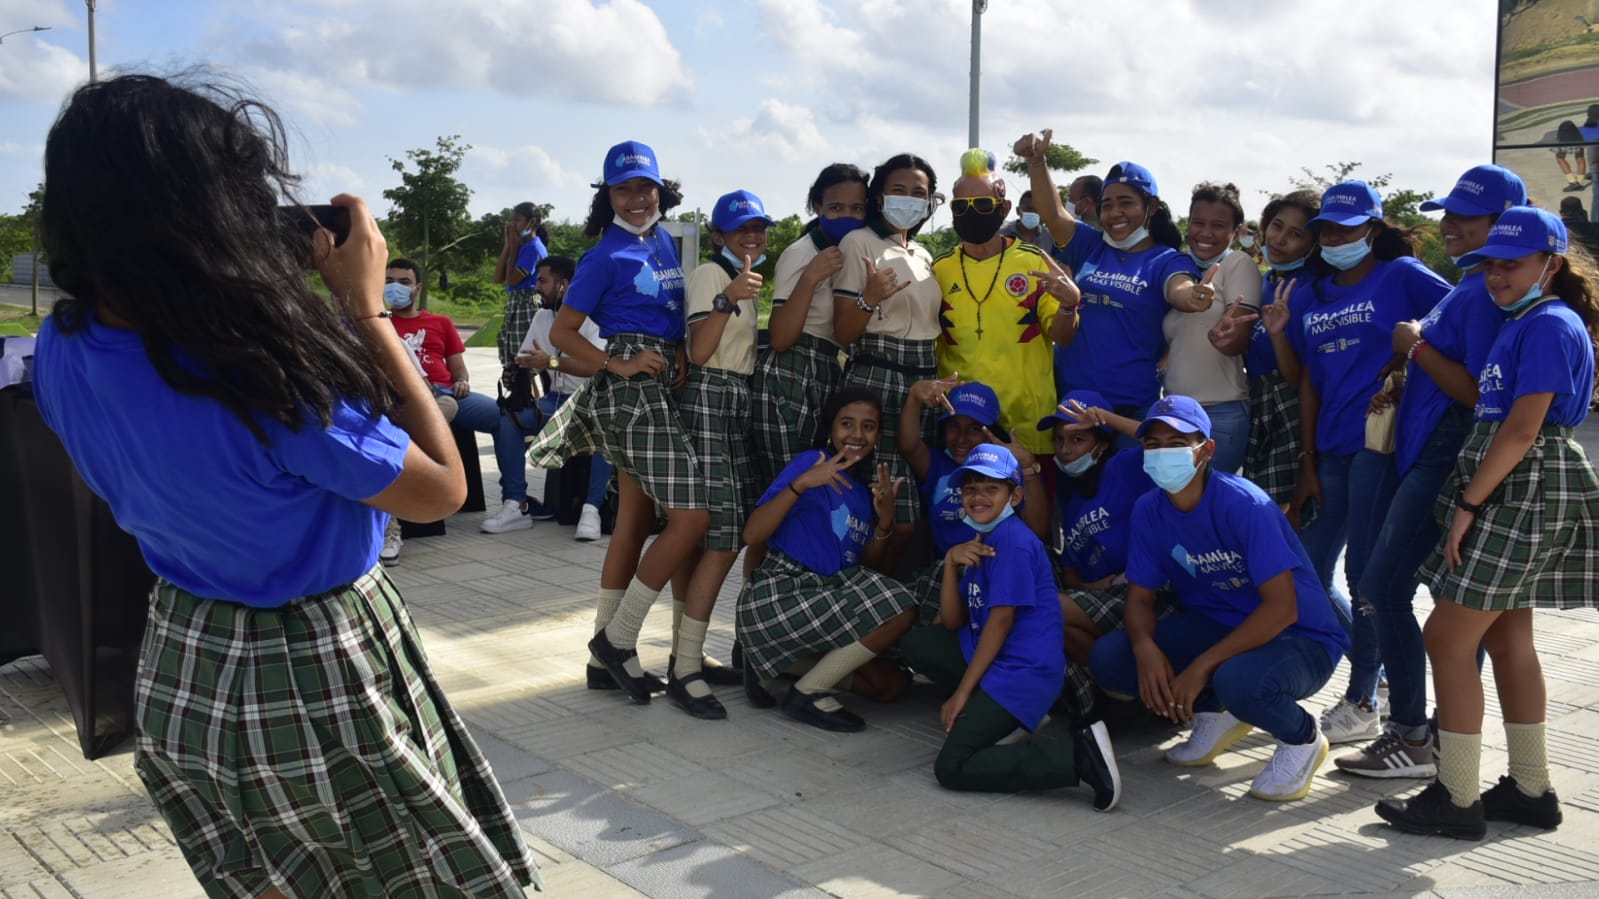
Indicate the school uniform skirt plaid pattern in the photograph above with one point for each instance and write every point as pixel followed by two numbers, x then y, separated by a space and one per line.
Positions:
pixel 786 398
pixel 634 422
pixel 887 366
pixel 928 586
pixel 715 407
pixel 1536 545
pixel 1273 456
pixel 787 611
pixel 308 747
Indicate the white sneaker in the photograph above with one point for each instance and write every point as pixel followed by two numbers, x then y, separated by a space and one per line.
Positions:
pixel 1349 722
pixel 1288 775
pixel 390 552
pixel 588 524
pixel 509 518
pixel 1213 733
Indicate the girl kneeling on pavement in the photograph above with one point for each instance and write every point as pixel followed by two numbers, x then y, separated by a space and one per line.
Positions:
pixel 823 523
pixel 1254 632
pixel 998 646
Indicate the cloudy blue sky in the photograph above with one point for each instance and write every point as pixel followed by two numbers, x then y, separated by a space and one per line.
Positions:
pixel 761 94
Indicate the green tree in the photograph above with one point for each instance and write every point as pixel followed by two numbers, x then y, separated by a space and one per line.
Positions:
pixel 429 219
pixel 940 241
pixel 1061 158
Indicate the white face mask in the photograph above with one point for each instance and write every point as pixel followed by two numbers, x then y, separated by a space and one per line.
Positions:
pixel 904 213
pixel 1247 242
pixel 1128 242
pixel 1030 221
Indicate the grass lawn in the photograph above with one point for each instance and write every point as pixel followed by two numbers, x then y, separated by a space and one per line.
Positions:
pixel 17 322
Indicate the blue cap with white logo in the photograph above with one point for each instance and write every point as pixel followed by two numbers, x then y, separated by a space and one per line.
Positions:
pixel 1184 413
pixel 975 400
pixel 734 209
pixel 630 159
pixel 992 460
pixel 1349 203
pixel 1133 175
pixel 1484 190
pixel 1521 231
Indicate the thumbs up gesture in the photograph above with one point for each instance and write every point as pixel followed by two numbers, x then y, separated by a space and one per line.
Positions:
pixel 1204 293
pixel 747 285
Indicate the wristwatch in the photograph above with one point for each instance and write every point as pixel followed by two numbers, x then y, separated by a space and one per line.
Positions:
pixel 722 304
pixel 555 363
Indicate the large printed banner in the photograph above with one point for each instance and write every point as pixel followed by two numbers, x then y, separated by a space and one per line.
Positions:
pixel 1546 126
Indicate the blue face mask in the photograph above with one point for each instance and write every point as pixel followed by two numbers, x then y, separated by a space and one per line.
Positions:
pixel 1533 293
pixel 1346 256
pixel 1004 513
pixel 1030 221
pixel 1076 467
pixel 738 261
pixel 1170 468
pixel 904 213
pixel 396 296
pixel 1283 268
pixel 835 229
pixel 527 233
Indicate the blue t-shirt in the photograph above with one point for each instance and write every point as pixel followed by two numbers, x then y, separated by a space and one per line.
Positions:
pixel 1260 359
pixel 528 257
pixel 215 511
pixel 1095 530
pixel 1119 341
pixel 630 284
pixel 1344 336
pixel 1544 350
pixel 1215 556
pixel 825 531
pixel 1462 327
pixel 943 502
pixel 1026 676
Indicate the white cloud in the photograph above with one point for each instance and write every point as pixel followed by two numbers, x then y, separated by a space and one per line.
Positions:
pixel 33 67
pixel 313 98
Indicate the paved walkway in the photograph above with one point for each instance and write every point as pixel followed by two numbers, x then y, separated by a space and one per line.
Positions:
pixel 622 800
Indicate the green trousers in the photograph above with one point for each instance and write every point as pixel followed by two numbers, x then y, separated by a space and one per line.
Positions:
pixel 969 759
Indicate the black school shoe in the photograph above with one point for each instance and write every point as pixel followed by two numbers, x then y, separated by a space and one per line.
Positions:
pixel 802 707
pixel 1096 765
pixel 1431 813
pixel 754 693
pixel 600 679
pixel 707 708
pixel 1504 801
pixel 637 688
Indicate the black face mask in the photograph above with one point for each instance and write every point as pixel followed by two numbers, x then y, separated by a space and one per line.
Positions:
pixel 977 227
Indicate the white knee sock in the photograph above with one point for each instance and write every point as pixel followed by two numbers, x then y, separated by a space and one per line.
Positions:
pixel 1529 757
pixel 623 629
pixel 831 669
pixel 604 611
pixel 690 646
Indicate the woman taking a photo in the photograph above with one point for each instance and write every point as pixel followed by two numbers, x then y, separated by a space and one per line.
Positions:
pixel 289 728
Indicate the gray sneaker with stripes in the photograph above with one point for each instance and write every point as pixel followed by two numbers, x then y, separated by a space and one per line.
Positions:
pixel 1391 755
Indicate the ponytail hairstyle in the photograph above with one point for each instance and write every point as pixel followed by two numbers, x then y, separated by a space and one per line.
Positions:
pixel 1158 218
pixel 1225 194
pixel 875 188
pixel 866 469
pixel 835 174
pixel 601 213
pixel 1577 283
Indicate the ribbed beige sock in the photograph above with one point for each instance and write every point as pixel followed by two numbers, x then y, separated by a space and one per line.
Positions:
pixel 604 611
pixel 677 623
pixel 629 618
pixel 1529 757
pixel 1459 757
pixel 690 646
pixel 831 669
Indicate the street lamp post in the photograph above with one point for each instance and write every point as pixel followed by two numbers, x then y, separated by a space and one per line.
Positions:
pixel 978 8
pixel 24 31
pixel 93 75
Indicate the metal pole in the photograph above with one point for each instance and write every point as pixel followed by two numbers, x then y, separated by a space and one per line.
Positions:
pixel 978 8
pixel 93 73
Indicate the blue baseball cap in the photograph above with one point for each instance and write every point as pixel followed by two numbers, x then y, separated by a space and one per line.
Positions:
pixel 1484 190
pixel 1133 175
pixel 992 460
pixel 1181 412
pixel 1082 397
pixel 630 159
pixel 1521 231
pixel 976 401
pixel 1349 203
pixel 734 209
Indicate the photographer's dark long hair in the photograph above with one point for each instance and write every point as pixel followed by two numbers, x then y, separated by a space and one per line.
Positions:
pixel 160 207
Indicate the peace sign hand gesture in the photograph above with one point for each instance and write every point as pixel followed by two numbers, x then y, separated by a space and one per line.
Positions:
pixel 1059 284
pixel 832 472
pixel 1276 314
pixel 1235 320
pixel 885 493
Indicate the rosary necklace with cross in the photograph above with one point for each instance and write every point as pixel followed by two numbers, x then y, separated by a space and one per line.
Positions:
pixel 999 266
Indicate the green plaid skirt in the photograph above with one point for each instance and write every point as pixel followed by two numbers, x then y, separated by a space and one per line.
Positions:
pixel 1536 545
pixel 715 405
pixel 786 398
pixel 634 422
pixel 308 747
pixel 1273 457
pixel 787 611
pixel 1106 609
pixel 927 585
pixel 887 366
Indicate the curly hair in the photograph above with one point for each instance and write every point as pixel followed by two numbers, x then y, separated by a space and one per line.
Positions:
pixel 601 213
pixel 1225 194
pixel 198 267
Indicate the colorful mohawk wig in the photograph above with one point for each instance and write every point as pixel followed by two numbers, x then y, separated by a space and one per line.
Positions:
pixel 979 163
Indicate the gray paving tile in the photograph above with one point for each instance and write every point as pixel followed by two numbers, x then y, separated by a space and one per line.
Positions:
pixel 1084 872
pixel 162 874
pixel 510 762
pixel 707 871
pixel 783 837
pixel 593 824
pixel 871 870
pixel 632 765
pixel 703 797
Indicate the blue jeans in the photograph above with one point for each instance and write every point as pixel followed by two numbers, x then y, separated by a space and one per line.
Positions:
pixel 599 468
pixel 1229 427
pixel 1408 534
pixel 1262 686
pixel 1353 490
pixel 482 414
